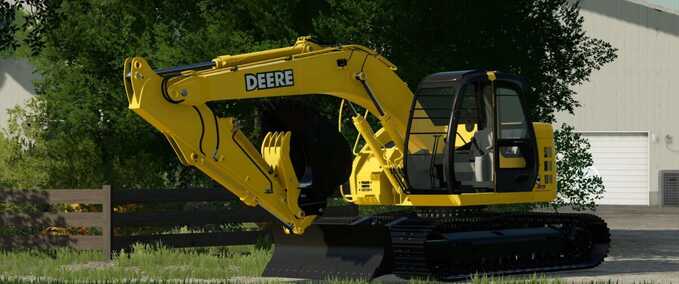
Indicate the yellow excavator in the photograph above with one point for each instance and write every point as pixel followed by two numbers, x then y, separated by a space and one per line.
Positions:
pixel 460 142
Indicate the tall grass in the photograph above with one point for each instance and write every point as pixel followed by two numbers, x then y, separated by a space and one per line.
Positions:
pixel 144 263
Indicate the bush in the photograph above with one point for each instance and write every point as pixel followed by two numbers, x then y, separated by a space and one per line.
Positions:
pixel 578 185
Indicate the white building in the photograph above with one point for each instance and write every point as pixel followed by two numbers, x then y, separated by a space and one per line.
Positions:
pixel 630 108
pixel 16 85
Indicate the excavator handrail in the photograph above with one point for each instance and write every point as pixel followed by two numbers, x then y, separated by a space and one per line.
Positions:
pixel 176 70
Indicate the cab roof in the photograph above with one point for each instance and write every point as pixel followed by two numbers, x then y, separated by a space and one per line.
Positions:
pixel 454 78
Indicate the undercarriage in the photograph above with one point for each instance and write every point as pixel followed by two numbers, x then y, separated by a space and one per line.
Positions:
pixel 441 244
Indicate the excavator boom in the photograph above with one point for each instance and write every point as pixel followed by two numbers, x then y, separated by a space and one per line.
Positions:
pixel 174 101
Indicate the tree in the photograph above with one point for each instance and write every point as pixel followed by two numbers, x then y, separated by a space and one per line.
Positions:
pixel 541 40
pixel 8 27
pixel 78 46
pixel 79 125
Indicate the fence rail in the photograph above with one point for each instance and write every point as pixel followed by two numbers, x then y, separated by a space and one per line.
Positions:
pixel 201 217
pixel 171 195
pixel 107 220
pixel 194 240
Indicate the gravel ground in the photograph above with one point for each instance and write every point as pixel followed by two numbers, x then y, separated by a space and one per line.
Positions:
pixel 644 247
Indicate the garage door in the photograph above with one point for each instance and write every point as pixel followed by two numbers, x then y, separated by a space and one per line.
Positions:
pixel 622 161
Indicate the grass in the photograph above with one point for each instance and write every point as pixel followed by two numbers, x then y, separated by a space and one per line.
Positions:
pixel 144 263
pixel 161 265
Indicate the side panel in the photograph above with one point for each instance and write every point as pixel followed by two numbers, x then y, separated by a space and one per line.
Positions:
pixel 546 182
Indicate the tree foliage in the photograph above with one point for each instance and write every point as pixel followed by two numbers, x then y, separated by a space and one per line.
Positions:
pixel 80 133
pixel 8 28
pixel 541 40
pixel 579 185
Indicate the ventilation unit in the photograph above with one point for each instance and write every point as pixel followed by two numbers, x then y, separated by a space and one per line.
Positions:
pixel 669 184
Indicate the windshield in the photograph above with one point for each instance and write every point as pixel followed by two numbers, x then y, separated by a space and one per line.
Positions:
pixel 426 141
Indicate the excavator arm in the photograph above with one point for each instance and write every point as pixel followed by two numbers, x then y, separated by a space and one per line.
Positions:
pixel 174 101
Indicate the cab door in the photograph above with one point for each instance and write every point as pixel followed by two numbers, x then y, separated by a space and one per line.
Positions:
pixel 472 151
pixel 492 145
pixel 516 166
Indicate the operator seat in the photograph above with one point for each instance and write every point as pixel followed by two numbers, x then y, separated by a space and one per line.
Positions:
pixel 483 158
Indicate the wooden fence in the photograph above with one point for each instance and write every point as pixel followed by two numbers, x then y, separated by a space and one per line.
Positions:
pixel 36 220
pixel 107 220
pixel 238 213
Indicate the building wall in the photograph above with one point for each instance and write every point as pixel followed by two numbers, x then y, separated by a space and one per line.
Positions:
pixel 16 85
pixel 666 4
pixel 639 91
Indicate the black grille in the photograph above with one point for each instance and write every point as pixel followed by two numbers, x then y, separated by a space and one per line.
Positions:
pixel 669 184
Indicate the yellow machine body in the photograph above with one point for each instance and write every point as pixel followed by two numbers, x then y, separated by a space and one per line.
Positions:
pixel 176 106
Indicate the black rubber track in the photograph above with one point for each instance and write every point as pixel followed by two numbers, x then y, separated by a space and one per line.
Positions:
pixel 588 248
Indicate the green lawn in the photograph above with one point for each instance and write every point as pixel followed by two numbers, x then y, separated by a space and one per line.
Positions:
pixel 160 265
pixel 144 263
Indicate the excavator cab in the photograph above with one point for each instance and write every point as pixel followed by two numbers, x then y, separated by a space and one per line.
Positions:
pixel 469 133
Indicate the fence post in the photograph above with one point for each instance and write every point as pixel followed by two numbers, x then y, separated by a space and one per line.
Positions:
pixel 106 229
